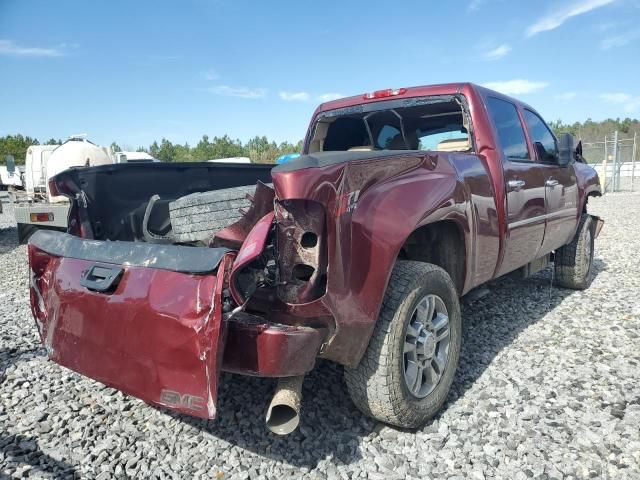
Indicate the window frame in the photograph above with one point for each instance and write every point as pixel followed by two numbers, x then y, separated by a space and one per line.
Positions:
pixel 323 115
pixel 525 131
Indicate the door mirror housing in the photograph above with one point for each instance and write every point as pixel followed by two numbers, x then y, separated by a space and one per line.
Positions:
pixel 11 164
pixel 566 149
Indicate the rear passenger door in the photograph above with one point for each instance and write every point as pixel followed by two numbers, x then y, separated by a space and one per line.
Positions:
pixel 524 186
pixel 561 190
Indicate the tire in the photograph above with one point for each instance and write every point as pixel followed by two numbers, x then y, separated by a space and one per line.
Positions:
pixel 196 217
pixel 380 386
pixel 574 261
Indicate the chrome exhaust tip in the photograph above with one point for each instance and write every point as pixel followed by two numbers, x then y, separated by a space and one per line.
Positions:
pixel 283 415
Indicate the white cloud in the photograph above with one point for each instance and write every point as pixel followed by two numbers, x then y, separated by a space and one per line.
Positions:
pixel 210 75
pixel 498 52
pixel 475 5
pixel 294 96
pixel 629 102
pixel 327 97
pixel 566 96
pixel 516 87
pixel 616 97
pixel 8 47
pixel 619 40
pixel 241 92
pixel 560 15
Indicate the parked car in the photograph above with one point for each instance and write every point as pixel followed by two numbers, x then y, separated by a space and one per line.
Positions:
pixel 403 201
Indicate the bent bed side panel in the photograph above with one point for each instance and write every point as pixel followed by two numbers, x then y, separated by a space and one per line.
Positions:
pixel 158 335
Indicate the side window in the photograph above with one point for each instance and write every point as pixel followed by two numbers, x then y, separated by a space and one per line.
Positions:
pixel 543 139
pixel 509 129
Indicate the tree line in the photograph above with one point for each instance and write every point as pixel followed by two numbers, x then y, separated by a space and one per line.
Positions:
pixel 590 131
pixel 258 149
pixel 261 150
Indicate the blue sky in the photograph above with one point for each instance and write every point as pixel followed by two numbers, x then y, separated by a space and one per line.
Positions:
pixel 141 70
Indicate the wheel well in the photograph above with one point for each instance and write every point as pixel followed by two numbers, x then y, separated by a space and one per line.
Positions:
pixel 442 244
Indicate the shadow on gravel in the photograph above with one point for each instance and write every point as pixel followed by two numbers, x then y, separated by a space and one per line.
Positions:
pixel 24 451
pixel 511 306
pixel 8 239
pixel 331 427
pixel 11 356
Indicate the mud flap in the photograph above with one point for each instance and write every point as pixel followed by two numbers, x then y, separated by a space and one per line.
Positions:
pixel 153 333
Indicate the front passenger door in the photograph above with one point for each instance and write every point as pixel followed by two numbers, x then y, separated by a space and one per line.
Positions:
pixel 561 190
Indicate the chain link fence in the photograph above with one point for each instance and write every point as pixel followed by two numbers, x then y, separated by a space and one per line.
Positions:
pixel 615 159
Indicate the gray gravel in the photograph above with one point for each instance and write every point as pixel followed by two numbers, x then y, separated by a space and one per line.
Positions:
pixel 548 387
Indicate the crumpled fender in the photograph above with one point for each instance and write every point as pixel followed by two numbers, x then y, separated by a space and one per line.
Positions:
pixel 251 249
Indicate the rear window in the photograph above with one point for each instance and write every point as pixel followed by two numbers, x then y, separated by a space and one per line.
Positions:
pixel 428 123
pixel 508 128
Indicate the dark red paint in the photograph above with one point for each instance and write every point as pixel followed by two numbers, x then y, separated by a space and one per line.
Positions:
pixel 164 331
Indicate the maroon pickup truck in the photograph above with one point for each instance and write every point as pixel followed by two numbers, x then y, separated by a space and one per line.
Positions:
pixel 357 252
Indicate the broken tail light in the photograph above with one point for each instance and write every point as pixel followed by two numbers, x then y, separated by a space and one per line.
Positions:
pixel 301 250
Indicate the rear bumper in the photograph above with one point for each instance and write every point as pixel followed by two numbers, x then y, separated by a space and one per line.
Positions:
pixel 265 349
pixel 60 212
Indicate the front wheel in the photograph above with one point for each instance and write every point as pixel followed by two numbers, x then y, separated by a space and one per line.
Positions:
pixel 574 261
pixel 408 368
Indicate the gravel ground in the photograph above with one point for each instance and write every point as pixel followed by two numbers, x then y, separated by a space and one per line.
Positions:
pixel 548 387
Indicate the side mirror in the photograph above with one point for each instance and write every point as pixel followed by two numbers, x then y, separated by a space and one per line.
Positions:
pixel 566 150
pixel 11 164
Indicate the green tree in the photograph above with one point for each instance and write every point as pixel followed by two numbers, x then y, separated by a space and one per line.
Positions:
pixel 17 146
pixel 166 151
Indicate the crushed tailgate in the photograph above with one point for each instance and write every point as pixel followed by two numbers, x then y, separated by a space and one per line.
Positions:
pixel 143 318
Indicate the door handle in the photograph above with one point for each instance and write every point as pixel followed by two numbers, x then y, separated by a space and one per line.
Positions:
pixel 551 182
pixel 101 279
pixel 516 184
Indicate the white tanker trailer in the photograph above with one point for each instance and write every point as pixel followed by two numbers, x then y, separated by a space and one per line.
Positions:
pixel 35 208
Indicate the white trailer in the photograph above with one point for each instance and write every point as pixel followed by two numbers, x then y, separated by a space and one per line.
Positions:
pixel 133 157
pixel 35 207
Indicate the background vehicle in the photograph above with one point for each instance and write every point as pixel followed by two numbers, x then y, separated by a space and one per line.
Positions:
pixel 13 179
pixel 35 207
pixel 403 201
pixel 133 157
pixel 231 160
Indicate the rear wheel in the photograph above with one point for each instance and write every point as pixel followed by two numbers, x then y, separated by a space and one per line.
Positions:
pixel 408 368
pixel 574 261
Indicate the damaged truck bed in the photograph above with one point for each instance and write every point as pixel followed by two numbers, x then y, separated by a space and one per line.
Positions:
pixel 357 252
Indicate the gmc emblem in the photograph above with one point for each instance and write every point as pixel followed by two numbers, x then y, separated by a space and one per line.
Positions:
pixel 176 399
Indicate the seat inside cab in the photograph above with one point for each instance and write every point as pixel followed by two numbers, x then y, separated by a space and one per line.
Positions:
pixel 427 125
